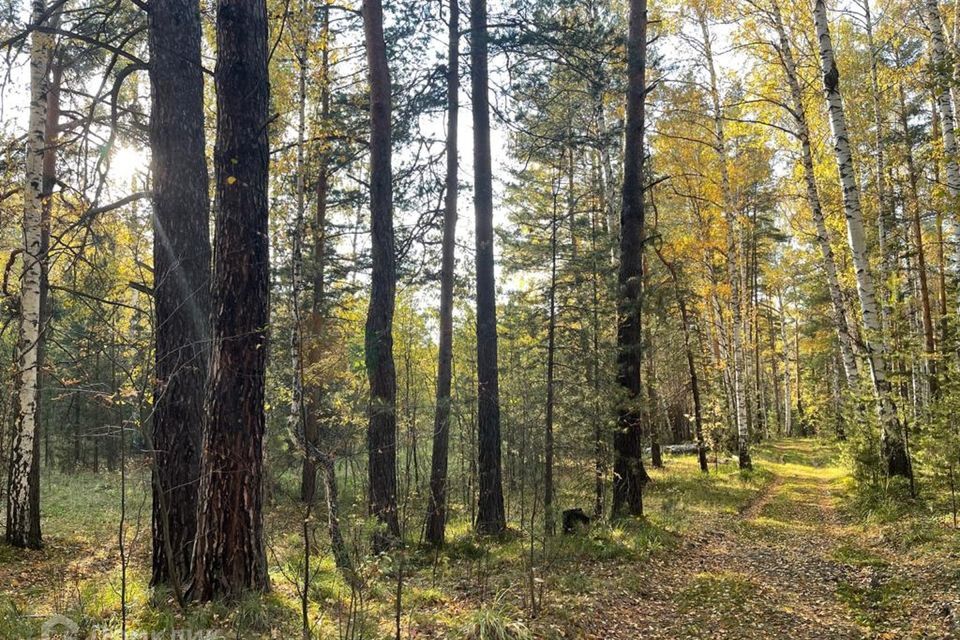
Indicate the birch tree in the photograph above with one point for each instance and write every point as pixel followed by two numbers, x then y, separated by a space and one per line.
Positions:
pixel 797 111
pixel 893 447
pixel 942 82
pixel 732 250
pixel 23 495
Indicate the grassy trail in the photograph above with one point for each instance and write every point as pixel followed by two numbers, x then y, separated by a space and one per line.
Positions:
pixel 792 565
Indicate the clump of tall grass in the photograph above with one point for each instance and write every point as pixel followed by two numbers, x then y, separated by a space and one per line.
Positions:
pixel 493 622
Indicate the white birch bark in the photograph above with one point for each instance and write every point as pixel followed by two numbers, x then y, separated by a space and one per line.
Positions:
pixel 23 527
pixel 885 215
pixel 609 189
pixel 847 348
pixel 952 45
pixel 733 269
pixel 891 437
pixel 941 82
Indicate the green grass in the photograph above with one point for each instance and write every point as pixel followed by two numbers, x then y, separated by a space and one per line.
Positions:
pixel 494 621
pixel 870 604
pixel 857 556
pixel 474 587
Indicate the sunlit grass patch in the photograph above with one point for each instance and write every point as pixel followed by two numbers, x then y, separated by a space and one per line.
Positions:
pixel 690 492
pixel 857 556
pixel 764 528
pixel 801 452
pixel 869 602
pixel 627 540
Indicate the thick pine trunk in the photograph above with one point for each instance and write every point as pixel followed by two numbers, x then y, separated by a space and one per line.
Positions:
pixel 847 346
pixel 381 372
pixel 437 508
pixel 491 518
pixel 181 280
pixel 229 553
pixel 892 442
pixel 629 475
pixel 23 504
pixel 738 374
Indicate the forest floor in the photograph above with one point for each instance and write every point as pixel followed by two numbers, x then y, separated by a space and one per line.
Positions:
pixel 781 552
pixel 796 564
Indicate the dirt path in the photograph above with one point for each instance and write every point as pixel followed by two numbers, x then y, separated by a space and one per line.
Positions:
pixel 787 567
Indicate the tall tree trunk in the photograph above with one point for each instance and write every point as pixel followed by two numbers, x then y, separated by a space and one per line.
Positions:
pixel 314 344
pixel 787 393
pixel 229 552
pixel 691 362
pixel 917 229
pixel 51 143
pixel 847 349
pixel 491 518
pixel 694 386
pixel 548 507
pixel 382 431
pixel 437 508
pixel 318 445
pixel 23 504
pixel 760 402
pixel 885 214
pixel 892 442
pixel 298 409
pixel 801 418
pixel 181 259
pixel 629 475
pixel 775 374
pixel 941 87
pixel 599 444
pixel 607 181
pixel 942 320
pixel 607 190
pixel 656 453
pixel 733 254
